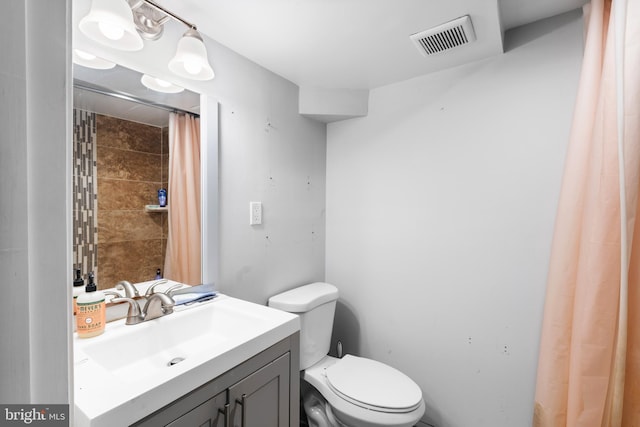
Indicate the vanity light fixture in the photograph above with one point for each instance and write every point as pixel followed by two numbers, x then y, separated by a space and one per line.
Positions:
pixel 190 60
pixel 160 85
pixel 123 24
pixel 87 59
pixel 110 22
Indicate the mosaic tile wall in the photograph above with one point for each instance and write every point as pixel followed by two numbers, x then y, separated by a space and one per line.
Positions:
pixel 84 189
pixel 118 167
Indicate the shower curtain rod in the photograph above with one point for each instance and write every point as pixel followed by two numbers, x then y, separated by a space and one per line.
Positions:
pixel 81 84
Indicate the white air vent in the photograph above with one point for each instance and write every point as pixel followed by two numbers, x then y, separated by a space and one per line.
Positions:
pixel 444 37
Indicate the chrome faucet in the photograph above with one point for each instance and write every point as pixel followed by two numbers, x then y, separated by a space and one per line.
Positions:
pixel 134 316
pixel 157 305
pixel 152 289
pixel 130 291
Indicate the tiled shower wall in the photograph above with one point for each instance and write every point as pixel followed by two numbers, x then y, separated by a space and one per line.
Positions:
pixel 131 165
pixel 131 242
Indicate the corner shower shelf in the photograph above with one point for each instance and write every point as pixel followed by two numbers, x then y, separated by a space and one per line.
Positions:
pixel 156 208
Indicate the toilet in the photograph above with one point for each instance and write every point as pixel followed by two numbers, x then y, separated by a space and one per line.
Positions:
pixel 351 391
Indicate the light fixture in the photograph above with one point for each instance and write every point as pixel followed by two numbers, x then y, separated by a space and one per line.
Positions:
pixel 149 20
pixel 190 60
pixel 87 59
pixel 122 24
pixel 160 85
pixel 110 22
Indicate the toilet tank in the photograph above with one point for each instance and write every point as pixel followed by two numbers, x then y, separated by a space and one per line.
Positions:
pixel 315 304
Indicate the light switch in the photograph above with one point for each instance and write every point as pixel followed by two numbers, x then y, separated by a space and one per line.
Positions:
pixel 255 213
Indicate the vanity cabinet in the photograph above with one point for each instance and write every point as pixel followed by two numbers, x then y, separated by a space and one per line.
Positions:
pixel 263 391
pixel 262 399
pixel 207 414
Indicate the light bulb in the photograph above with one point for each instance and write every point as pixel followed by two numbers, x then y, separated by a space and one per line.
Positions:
pixel 85 55
pixel 192 67
pixel 110 31
pixel 190 60
pixel 162 83
pixel 87 59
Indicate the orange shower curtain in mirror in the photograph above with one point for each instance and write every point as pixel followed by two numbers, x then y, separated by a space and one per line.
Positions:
pixel 183 256
pixel 589 363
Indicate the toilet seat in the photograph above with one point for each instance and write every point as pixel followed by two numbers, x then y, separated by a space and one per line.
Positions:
pixel 354 412
pixel 373 385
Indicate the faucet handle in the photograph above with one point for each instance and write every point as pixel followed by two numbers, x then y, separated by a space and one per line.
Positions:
pixel 152 289
pixel 115 295
pixel 130 291
pixel 173 288
pixel 112 293
pixel 134 316
pixel 158 304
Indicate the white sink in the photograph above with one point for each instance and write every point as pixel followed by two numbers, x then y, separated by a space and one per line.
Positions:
pixel 132 370
pixel 137 351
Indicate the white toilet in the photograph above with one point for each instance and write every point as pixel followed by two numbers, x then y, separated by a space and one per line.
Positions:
pixel 351 391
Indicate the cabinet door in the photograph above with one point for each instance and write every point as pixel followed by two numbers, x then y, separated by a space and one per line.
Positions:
pixel 209 414
pixel 262 398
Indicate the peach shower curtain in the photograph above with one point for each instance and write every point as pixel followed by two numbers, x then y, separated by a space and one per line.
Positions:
pixel 589 364
pixel 183 255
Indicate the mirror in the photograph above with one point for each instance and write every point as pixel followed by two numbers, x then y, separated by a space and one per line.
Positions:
pixel 121 160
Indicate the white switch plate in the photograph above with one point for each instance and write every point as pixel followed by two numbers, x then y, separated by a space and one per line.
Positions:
pixel 255 213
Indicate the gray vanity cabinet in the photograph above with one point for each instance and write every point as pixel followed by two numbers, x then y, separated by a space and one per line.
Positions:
pixel 263 391
pixel 211 413
pixel 262 399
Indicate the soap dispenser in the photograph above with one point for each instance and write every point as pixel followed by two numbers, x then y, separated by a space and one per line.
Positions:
pixel 78 288
pixel 91 312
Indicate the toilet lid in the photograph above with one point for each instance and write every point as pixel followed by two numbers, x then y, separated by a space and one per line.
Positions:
pixel 372 384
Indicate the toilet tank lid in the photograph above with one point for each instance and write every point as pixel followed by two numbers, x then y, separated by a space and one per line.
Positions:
pixel 304 298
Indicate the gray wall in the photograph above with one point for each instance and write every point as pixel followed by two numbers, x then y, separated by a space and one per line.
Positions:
pixel 273 155
pixel 440 213
pixel 35 212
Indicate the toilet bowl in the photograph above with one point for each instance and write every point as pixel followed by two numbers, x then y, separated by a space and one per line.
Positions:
pixel 361 392
pixel 351 391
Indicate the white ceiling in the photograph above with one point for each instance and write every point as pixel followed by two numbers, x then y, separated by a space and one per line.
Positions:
pixel 355 44
pixel 332 44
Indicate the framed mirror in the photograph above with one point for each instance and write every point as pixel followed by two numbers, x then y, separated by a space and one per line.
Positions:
pixel 121 160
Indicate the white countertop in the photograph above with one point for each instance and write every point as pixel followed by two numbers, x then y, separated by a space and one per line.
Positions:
pixel 108 395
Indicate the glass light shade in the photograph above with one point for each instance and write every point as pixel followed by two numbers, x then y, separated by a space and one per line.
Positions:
pixel 160 85
pixel 110 22
pixel 89 60
pixel 190 60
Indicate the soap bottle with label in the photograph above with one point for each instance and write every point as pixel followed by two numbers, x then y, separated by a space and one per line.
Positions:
pixel 78 288
pixel 91 312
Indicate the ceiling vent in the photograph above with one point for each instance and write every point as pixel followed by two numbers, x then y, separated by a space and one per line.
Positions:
pixel 445 36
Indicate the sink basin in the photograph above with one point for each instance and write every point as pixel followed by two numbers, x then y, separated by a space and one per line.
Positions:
pixel 137 351
pixel 133 370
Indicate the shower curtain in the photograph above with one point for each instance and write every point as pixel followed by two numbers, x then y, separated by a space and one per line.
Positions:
pixel 589 363
pixel 183 254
